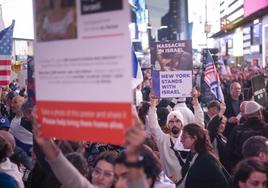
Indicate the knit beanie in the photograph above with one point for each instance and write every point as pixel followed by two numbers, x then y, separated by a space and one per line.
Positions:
pixel 176 114
pixel 252 107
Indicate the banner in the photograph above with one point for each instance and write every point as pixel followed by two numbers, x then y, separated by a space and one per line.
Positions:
pixel 137 77
pixel 258 89
pixel 172 68
pixel 83 69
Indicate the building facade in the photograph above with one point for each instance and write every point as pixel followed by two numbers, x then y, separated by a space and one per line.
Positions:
pixel 241 38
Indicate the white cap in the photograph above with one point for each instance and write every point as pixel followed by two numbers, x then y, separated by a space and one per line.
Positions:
pixel 252 107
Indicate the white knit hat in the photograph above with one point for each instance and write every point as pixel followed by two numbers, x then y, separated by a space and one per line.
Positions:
pixel 176 114
pixel 252 107
pixel 181 99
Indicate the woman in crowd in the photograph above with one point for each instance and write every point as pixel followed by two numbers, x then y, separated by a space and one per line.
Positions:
pixel 202 168
pixel 250 173
pixel 103 170
pixel 6 166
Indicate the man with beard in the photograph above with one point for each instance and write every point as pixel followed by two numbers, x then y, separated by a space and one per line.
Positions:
pixel 171 159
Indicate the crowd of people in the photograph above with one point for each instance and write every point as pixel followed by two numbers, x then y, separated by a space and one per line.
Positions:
pixel 172 143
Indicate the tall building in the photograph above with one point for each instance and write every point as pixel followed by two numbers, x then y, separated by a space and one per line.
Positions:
pixel 241 38
pixel 174 23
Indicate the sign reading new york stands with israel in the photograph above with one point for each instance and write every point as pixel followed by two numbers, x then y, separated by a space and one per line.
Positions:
pixel 172 68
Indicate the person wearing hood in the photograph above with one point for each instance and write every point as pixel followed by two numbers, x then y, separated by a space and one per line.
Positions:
pixel 171 159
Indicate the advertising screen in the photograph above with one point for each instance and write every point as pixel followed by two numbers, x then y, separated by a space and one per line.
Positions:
pixel 251 6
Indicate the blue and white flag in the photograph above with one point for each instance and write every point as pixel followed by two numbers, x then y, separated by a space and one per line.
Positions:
pixel 222 67
pixel 2 24
pixel 136 71
pixel 212 77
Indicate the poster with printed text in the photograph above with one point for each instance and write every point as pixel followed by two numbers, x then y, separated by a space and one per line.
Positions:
pixel 83 82
pixel 172 68
pixel 258 89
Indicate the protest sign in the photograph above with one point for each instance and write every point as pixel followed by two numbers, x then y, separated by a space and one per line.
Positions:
pixel 83 81
pixel 258 89
pixel 172 68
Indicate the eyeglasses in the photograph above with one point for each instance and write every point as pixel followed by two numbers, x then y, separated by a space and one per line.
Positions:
pixel 98 172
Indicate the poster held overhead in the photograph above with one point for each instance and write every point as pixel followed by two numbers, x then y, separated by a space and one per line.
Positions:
pixel 259 89
pixel 83 82
pixel 172 68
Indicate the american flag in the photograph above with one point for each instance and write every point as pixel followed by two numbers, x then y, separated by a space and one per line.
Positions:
pixel 212 77
pixel 6 37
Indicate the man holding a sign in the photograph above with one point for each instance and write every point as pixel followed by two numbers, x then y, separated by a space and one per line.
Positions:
pixel 172 153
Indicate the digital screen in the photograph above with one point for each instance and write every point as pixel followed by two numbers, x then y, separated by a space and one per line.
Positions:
pixel 256 39
pixel 252 6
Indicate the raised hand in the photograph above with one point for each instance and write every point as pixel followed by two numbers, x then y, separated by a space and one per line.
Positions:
pixel 195 94
pixel 135 137
pixel 222 108
pixel 47 144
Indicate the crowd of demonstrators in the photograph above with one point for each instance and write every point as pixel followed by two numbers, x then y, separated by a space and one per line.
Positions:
pixel 254 125
pixel 243 76
pixel 252 170
pixel 172 143
pixel 229 124
pixel 137 166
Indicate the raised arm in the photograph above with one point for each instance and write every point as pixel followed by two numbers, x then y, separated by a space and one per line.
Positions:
pixel 198 112
pixel 134 139
pixel 152 123
pixel 65 172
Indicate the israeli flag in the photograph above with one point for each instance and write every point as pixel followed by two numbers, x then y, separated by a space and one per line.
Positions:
pixel 137 76
pixel 222 67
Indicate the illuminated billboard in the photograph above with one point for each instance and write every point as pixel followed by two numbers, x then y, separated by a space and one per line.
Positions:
pixel 252 6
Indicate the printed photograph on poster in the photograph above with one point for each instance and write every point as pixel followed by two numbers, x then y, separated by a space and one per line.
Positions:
pixel 172 68
pixel 55 20
pixel 172 56
pixel 95 6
